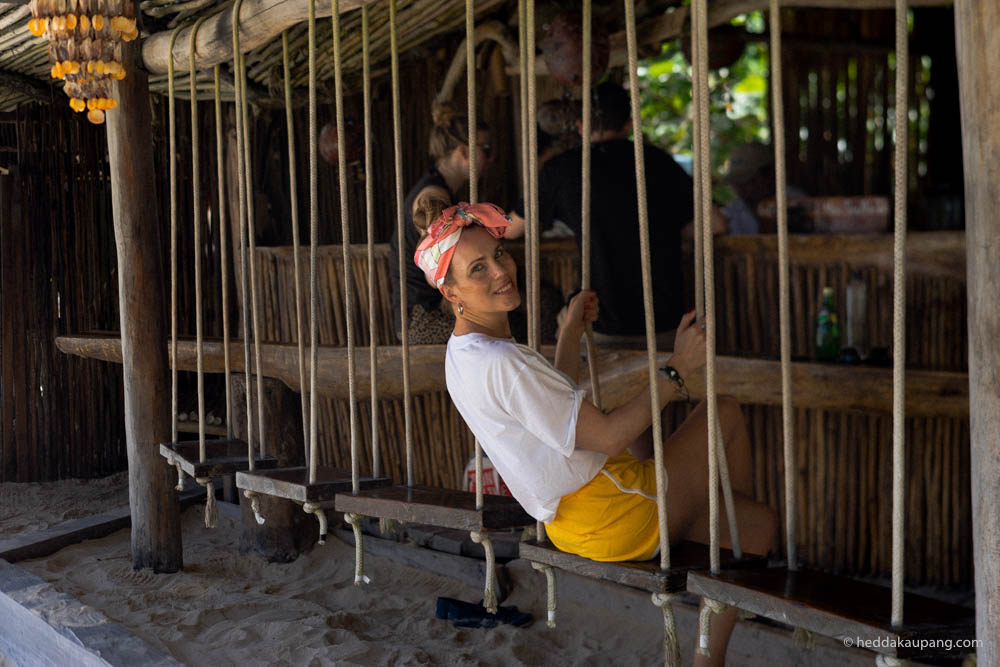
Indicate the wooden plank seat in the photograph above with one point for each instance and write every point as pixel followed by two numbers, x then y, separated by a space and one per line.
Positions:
pixel 841 607
pixel 444 508
pixel 222 457
pixel 645 575
pixel 293 483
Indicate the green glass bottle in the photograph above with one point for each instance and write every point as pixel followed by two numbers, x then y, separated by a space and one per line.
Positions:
pixel 827 329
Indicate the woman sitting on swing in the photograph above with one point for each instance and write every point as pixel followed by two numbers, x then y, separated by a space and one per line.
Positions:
pixel 589 476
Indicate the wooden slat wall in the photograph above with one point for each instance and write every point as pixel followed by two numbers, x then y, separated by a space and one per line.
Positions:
pixel 843 459
pixel 59 416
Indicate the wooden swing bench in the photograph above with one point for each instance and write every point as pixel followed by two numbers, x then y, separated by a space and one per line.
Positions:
pixel 222 457
pixel 645 575
pixel 444 508
pixel 843 608
pixel 293 483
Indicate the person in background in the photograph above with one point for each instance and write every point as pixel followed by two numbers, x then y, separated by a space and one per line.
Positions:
pixel 751 175
pixel 615 258
pixel 429 320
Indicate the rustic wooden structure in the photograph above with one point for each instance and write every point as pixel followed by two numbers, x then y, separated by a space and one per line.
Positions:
pixel 841 453
pixel 975 25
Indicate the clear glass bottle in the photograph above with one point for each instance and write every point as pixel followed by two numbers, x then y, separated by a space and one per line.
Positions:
pixel 827 329
pixel 857 315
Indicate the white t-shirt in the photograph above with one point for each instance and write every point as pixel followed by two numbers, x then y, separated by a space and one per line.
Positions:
pixel 524 413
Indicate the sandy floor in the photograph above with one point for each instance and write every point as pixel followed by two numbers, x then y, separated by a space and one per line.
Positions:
pixel 26 508
pixel 227 609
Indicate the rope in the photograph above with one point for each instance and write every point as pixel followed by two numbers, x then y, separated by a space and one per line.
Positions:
pixel 397 149
pixel 470 85
pixel 180 472
pixel 699 221
pixel 211 513
pixel 223 248
pixel 727 492
pixel 588 74
pixel 370 220
pixel 313 234
pixel 671 643
pixel 251 236
pixel 489 593
pixel 700 28
pixel 359 552
pixel 196 221
pixel 525 166
pixel 705 623
pixel 899 313
pixel 550 584
pixel 647 284
pixel 345 232
pixel 531 232
pixel 254 498
pixel 315 508
pixel 294 203
pixel 172 121
pixel 784 296
pixel 242 210
pixel 890 661
pixel 531 212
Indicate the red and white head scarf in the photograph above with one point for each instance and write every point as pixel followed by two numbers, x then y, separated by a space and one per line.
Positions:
pixel 436 249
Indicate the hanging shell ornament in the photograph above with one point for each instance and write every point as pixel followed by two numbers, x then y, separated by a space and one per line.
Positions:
pixel 85 47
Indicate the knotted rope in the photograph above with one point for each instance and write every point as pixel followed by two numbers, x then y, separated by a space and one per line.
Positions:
pixel 211 513
pixel 550 584
pixel 359 552
pixel 254 499
pixel 705 623
pixel 315 508
pixel 671 644
pixel 489 593
pixel 180 472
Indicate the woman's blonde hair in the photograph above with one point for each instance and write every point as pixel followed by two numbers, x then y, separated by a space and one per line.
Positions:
pixel 451 129
pixel 429 206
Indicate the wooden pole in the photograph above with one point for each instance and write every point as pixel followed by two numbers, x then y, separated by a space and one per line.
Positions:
pixel 977 36
pixel 156 528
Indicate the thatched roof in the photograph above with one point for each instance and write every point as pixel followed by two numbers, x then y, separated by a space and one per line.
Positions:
pixel 24 67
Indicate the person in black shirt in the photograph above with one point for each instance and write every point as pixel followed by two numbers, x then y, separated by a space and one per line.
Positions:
pixel 615 261
pixel 428 321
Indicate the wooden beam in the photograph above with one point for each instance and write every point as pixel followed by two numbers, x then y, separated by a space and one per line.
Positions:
pixel 26 85
pixel 977 37
pixel 261 21
pixel 927 253
pixel 156 527
pixel 862 389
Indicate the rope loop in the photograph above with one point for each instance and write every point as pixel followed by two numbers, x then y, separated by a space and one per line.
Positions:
pixel 550 582
pixel 359 552
pixel 890 661
pixel 180 472
pixel 671 643
pixel 211 512
pixel 489 593
pixel 705 623
pixel 315 508
pixel 254 499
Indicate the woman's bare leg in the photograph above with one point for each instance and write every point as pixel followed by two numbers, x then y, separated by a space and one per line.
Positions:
pixel 686 461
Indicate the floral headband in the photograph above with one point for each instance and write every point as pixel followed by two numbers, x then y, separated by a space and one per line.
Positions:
pixel 436 249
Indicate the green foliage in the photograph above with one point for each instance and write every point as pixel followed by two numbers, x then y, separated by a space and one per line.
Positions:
pixel 737 100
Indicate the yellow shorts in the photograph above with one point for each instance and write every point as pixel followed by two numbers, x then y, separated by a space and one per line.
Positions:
pixel 613 516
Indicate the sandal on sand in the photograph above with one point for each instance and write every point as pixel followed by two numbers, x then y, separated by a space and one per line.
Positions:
pixel 469 615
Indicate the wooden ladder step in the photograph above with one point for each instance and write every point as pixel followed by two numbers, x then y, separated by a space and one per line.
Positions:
pixel 293 483
pixel 841 607
pixel 645 575
pixel 444 508
pixel 222 457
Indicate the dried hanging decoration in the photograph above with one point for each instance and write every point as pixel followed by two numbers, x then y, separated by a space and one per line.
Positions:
pixel 85 47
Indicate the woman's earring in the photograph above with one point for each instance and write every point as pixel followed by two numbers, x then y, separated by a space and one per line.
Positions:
pixel 461 309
